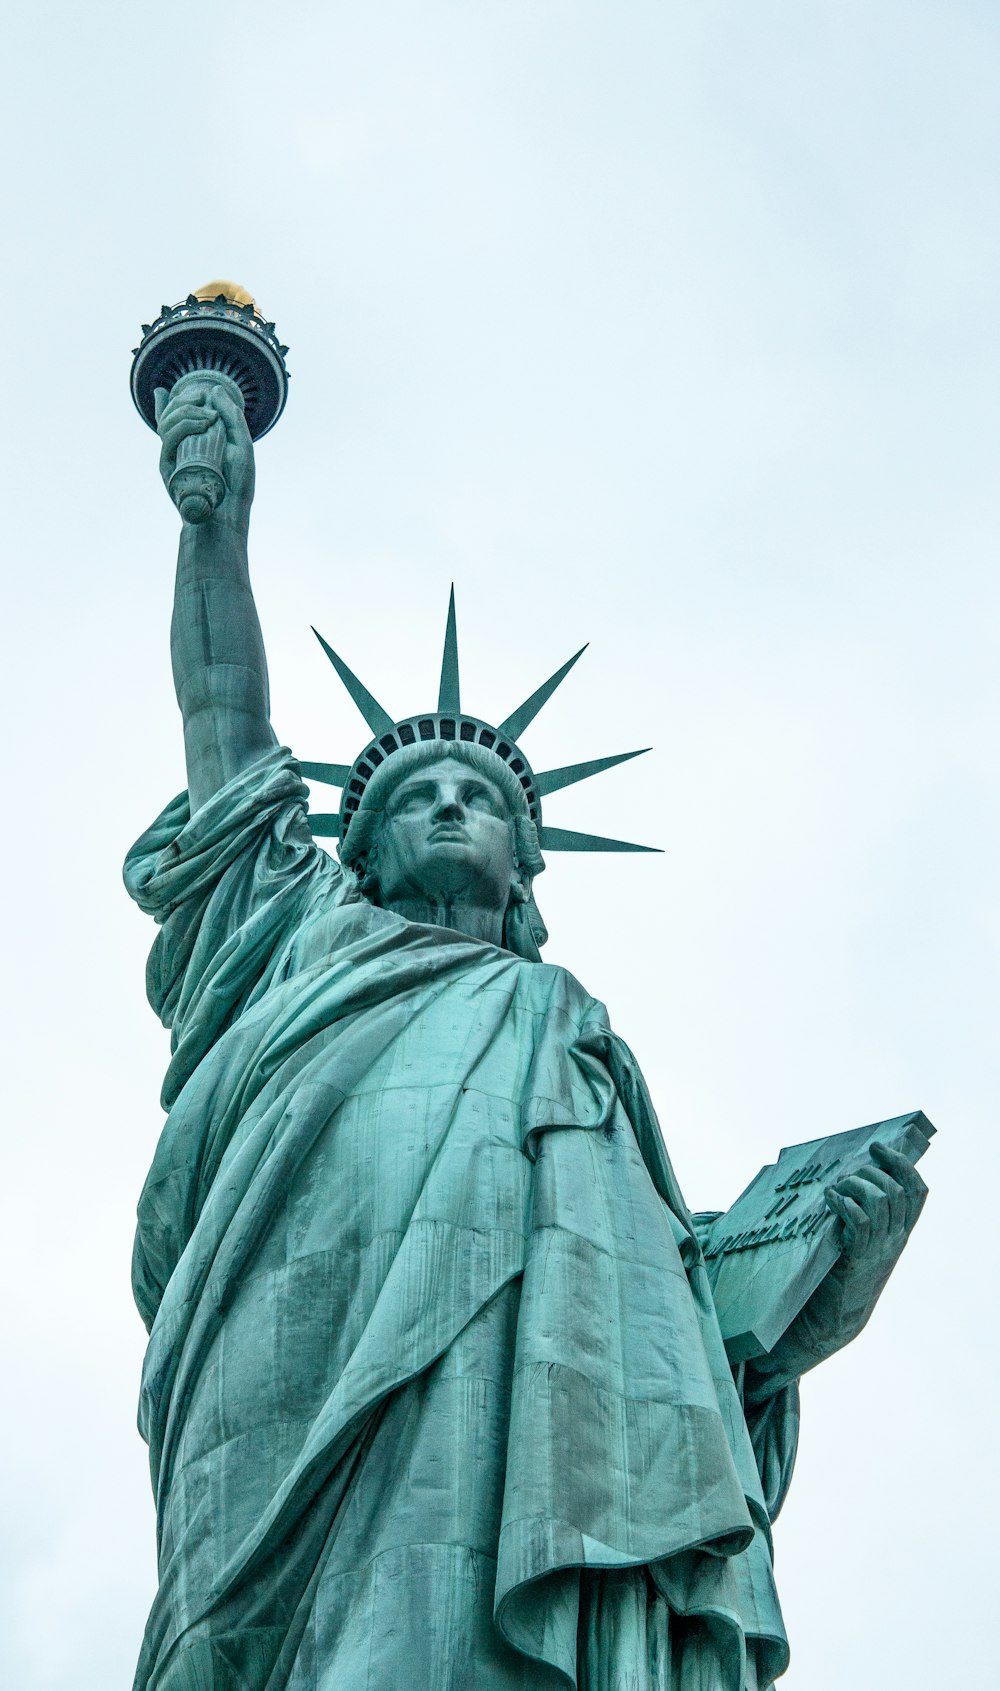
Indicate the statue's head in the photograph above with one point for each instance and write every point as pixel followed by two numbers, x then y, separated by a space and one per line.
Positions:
pixel 441 814
pixel 448 825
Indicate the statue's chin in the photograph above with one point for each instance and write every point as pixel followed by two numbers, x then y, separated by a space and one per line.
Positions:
pixel 453 872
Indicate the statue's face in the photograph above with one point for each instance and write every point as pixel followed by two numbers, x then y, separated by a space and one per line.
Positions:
pixel 446 835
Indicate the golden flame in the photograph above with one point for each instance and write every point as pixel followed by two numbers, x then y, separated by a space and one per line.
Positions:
pixel 232 290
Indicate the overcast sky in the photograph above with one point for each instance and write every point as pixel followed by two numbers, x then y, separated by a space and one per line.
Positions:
pixel 670 326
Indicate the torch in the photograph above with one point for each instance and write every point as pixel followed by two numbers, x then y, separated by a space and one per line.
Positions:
pixel 215 335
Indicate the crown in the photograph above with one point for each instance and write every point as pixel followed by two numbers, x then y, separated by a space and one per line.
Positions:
pixel 450 724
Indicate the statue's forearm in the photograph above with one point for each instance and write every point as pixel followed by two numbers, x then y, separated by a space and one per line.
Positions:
pixel 833 1316
pixel 796 1352
pixel 217 651
pixel 878 1207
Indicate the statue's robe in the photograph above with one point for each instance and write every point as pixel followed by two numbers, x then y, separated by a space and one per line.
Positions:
pixel 435 1394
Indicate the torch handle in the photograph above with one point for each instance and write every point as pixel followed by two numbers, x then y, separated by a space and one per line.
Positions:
pixel 197 485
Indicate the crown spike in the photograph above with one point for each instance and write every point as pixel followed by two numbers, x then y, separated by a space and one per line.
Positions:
pixel 515 724
pixel 448 693
pixel 378 720
pixel 325 826
pixel 335 774
pixel 565 839
pixel 552 780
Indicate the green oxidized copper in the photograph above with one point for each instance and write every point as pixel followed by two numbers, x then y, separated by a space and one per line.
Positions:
pixel 215 331
pixel 449 726
pixel 437 1392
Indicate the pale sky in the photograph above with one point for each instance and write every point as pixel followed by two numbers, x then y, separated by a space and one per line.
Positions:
pixel 668 326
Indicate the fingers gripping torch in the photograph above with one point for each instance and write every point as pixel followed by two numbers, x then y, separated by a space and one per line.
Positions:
pixel 215 335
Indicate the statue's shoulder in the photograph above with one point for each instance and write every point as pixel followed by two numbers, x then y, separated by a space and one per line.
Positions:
pixel 557 988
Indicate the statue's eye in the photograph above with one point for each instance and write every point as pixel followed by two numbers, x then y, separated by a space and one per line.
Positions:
pixel 413 798
pixel 480 798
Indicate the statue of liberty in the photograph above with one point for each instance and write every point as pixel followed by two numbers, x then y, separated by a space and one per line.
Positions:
pixel 435 1392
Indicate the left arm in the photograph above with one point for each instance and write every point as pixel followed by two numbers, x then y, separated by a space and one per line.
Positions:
pixel 878 1209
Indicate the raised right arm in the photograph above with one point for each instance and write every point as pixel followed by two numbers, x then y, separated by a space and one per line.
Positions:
pixel 216 646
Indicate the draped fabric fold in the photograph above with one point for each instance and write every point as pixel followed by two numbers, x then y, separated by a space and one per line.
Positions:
pixel 434 1391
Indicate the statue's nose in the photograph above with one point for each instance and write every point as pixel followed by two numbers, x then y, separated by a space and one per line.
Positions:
pixel 448 808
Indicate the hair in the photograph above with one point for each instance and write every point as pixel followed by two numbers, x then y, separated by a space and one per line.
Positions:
pixel 523 929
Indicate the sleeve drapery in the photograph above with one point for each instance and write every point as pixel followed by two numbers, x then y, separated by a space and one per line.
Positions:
pixel 229 887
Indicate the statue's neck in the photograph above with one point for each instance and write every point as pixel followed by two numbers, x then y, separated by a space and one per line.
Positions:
pixel 466 918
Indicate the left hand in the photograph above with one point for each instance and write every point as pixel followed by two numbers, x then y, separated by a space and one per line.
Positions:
pixel 878 1207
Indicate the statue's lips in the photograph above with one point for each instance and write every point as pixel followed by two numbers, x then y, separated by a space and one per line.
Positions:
pixel 448 832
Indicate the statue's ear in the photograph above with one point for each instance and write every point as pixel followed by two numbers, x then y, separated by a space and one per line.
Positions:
pixel 520 886
pixel 367 878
